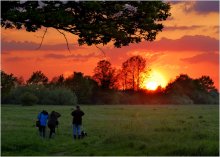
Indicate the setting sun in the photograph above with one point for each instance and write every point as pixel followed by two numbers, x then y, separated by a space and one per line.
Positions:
pixel 152 85
pixel 154 80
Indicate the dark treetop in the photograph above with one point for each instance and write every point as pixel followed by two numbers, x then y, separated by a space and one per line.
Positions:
pixel 94 22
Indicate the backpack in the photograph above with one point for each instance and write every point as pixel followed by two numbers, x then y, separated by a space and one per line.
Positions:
pixel 37 123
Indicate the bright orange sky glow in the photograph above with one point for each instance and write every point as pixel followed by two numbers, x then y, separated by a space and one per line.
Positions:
pixel 189 44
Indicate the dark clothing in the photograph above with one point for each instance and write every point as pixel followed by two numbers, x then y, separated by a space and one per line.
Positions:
pixel 53 122
pixel 42 130
pixel 52 131
pixel 53 119
pixel 77 122
pixel 77 117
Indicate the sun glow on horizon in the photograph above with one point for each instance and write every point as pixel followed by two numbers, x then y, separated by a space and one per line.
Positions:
pixel 154 80
pixel 152 85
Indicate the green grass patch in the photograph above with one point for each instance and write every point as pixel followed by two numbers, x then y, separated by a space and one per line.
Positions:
pixel 115 130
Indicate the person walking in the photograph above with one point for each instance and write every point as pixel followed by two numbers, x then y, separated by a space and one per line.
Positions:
pixel 53 122
pixel 77 122
pixel 42 117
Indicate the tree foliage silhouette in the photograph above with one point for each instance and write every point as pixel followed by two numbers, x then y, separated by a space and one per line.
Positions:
pixel 8 81
pixel 58 80
pixel 37 78
pixel 94 22
pixel 84 90
pixel 131 70
pixel 201 90
pixel 104 74
pixel 206 83
pixel 82 86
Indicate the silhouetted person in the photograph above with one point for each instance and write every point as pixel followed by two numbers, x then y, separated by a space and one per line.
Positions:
pixel 43 117
pixel 53 122
pixel 77 122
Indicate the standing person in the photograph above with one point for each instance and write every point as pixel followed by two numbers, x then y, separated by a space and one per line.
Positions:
pixel 77 122
pixel 43 117
pixel 53 122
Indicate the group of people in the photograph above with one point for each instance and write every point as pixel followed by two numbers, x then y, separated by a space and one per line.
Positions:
pixel 52 122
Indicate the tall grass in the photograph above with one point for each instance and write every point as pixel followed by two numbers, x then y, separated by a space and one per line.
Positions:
pixel 115 130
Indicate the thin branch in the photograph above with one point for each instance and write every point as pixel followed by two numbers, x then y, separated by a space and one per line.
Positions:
pixel 42 39
pixel 67 44
pixel 100 50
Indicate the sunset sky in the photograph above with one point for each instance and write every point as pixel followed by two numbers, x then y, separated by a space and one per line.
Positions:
pixel 189 44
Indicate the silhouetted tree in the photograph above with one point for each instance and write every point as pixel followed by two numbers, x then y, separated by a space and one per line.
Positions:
pixel 131 70
pixel 82 86
pixel 58 81
pixel 94 22
pixel 20 81
pixel 206 83
pixel 8 81
pixel 198 91
pixel 124 74
pixel 119 83
pixel 183 84
pixel 37 78
pixel 104 74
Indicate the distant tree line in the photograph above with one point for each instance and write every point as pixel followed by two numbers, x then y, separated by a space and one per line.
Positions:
pixel 108 85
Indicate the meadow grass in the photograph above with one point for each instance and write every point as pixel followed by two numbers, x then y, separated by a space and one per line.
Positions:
pixel 115 130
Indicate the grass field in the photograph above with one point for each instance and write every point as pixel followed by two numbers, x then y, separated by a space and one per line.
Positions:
pixel 115 130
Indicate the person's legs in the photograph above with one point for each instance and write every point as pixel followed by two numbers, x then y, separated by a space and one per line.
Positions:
pixel 74 130
pixel 79 131
pixel 40 130
pixel 50 135
pixel 43 131
pixel 52 130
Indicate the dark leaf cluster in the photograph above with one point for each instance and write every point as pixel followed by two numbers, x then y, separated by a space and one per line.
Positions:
pixel 94 22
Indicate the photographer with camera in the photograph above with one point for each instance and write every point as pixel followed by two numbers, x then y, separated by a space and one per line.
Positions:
pixel 77 122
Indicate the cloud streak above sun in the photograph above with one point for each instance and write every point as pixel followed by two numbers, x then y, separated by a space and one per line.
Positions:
pixel 186 43
pixel 204 57
pixel 8 46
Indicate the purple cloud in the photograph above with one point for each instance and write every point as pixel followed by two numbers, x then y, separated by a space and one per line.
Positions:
pixel 186 43
pixel 204 57
pixel 72 57
pixel 16 59
pixel 56 56
pixel 202 7
pixel 172 28
pixel 206 6
pixel 196 43
pixel 8 46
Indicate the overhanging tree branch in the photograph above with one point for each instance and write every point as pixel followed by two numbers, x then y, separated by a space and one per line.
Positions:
pixel 100 50
pixel 67 44
pixel 42 39
pixel 94 22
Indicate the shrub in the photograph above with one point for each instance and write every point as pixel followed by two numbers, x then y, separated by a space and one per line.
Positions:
pixel 28 99
pixel 28 95
pixel 60 96
pixel 179 99
pixel 106 97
